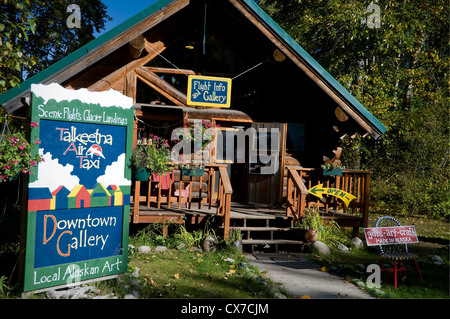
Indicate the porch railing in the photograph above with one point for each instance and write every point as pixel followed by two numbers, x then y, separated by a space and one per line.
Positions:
pixel 355 182
pixel 207 192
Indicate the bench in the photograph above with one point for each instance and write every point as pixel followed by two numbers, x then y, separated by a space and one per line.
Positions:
pixel 393 240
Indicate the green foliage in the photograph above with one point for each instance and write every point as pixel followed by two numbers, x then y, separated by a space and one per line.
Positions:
pixel 34 35
pixel 398 72
pixel 153 154
pixel 16 154
pixel 53 39
pixel 16 25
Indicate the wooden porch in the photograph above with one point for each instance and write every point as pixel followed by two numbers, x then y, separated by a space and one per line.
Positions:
pixel 209 195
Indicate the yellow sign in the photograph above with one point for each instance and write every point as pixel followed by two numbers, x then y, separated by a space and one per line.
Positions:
pixel 319 190
pixel 209 91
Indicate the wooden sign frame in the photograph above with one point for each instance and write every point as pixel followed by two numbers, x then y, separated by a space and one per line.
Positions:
pixel 78 198
pixel 209 91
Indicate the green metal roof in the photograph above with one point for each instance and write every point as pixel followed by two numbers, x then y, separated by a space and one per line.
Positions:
pixel 46 75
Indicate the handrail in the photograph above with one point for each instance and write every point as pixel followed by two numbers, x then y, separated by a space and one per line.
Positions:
pixel 297 181
pixel 226 180
pixel 356 182
pixel 296 194
pixel 224 199
pixel 220 197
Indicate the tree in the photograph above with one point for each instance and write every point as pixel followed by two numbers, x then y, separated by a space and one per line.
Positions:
pixel 55 38
pixel 399 71
pixel 16 23
pixel 35 34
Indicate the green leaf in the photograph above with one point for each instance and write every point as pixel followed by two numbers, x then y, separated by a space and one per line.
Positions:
pixel 32 24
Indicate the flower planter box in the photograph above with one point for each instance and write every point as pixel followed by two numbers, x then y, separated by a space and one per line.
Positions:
pixel 192 171
pixel 141 174
pixel 335 171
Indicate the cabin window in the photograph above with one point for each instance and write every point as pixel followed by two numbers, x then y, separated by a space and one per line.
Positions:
pixel 295 139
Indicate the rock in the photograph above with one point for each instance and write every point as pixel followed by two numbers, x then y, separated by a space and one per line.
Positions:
pixel 321 248
pixel 181 246
pixel 360 268
pixel 279 295
pixel 129 296
pixel 343 248
pixel 135 273
pixel 436 260
pixel 144 249
pixel 209 243
pixel 357 243
pixel 160 248
pixel 108 296
pixel 243 265
pixel 73 293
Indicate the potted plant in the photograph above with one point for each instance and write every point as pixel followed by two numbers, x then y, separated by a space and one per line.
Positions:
pixel 150 156
pixel 311 223
pixel 16 154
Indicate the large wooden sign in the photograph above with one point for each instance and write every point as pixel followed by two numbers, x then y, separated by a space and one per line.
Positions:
pixel 390 235
pixel 209 91
pixel 79 199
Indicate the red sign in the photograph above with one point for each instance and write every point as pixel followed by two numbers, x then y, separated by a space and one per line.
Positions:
pixel 391 235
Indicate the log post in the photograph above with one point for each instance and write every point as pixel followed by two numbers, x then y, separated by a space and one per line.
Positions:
pixel 136 46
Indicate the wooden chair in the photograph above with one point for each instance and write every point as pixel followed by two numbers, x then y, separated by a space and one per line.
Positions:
pixel 397 253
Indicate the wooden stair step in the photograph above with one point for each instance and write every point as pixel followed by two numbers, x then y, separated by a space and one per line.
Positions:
pixel 271 241
pixel 261 228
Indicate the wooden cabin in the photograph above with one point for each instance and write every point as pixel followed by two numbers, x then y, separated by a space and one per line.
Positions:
pixel 275 85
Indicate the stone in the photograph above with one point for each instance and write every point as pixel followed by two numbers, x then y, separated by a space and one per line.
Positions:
pixel 357 243
pixel 321 248
pixel 144 249
pixel 343 248
pixel 243 265
pixel 135 273
pixel 209 244
pixel 160 249
pixel 360 268
pixel 436 260
pixel 129 296
pixel 181 246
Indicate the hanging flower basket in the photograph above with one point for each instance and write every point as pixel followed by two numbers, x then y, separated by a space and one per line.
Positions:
pixel 150 156
pixel 16 154
pixel 141 174
pixel 332 171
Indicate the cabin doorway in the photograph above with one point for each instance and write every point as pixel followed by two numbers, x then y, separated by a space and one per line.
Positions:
pixel 265 167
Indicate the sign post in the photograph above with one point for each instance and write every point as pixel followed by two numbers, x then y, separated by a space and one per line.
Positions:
pixel 209 91
pixel 79 199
